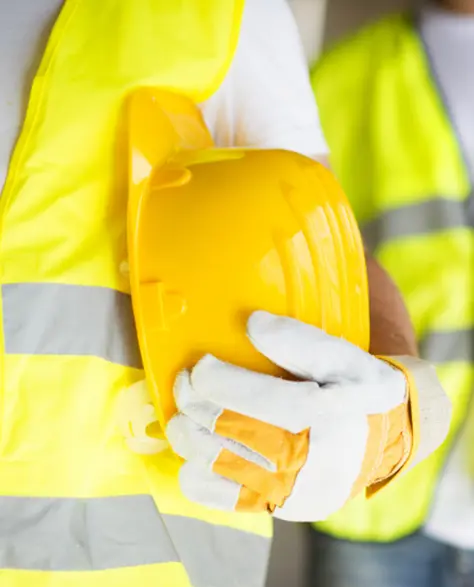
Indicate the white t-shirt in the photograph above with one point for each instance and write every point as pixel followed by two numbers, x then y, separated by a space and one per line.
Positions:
pixel 265 100
pixel 449 40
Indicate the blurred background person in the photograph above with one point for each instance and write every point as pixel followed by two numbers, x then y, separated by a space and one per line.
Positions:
pixel 397 107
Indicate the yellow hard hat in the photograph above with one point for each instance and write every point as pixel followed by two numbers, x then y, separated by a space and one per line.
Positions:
pixel 215 234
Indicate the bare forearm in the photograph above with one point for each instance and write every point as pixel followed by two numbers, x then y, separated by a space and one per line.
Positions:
pixel 391 330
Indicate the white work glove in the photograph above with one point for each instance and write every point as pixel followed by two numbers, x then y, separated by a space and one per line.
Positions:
pixel 296 448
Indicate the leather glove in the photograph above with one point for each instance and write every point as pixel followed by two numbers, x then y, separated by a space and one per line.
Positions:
pixel 296 448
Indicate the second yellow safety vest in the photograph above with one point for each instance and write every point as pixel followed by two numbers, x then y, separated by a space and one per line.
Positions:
pixel 394 150
pixel 77 507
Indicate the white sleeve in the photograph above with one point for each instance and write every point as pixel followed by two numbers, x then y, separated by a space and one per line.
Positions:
pixel 266 100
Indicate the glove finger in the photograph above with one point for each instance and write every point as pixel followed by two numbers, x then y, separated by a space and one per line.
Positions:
pixel 202 486
pixel 269 399
pixel 286 451
pixel 194 443
pixel 228 459
pixel 189 402
pixel 310 353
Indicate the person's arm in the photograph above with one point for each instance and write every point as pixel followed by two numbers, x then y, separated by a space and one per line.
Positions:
pixel 391 330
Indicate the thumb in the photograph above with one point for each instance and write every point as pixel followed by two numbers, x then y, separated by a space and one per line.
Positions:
pixel 310 354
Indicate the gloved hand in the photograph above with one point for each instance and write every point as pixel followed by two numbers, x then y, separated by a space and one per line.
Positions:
pixel 296 448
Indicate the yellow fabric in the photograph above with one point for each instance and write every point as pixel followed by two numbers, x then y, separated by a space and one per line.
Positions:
pixel 392 146
pixel 164 574
pixel 287 451
pixel 63 222
pixel 388 446
pixel 428 307
pixel 251 501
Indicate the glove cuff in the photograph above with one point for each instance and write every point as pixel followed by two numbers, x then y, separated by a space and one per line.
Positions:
pixel 429 410
pixel 389 445
pixel 409 433
pixel 430 407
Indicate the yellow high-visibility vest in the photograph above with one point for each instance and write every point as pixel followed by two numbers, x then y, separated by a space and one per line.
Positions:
pixel 396 154
pixel 77 507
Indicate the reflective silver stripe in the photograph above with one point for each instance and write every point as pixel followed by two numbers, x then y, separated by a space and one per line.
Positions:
pixel 422 218
pixel 449 346
pixel 219 556
pixel 115 532
pixel 79 535
pixel 59 319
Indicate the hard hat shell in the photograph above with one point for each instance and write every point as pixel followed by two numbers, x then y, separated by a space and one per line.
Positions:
pixel 215 234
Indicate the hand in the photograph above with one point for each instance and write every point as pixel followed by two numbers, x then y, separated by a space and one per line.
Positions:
pixel 296 448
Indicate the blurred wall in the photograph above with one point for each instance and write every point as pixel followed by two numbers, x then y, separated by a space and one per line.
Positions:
pixel 287 567
pixel 343 16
